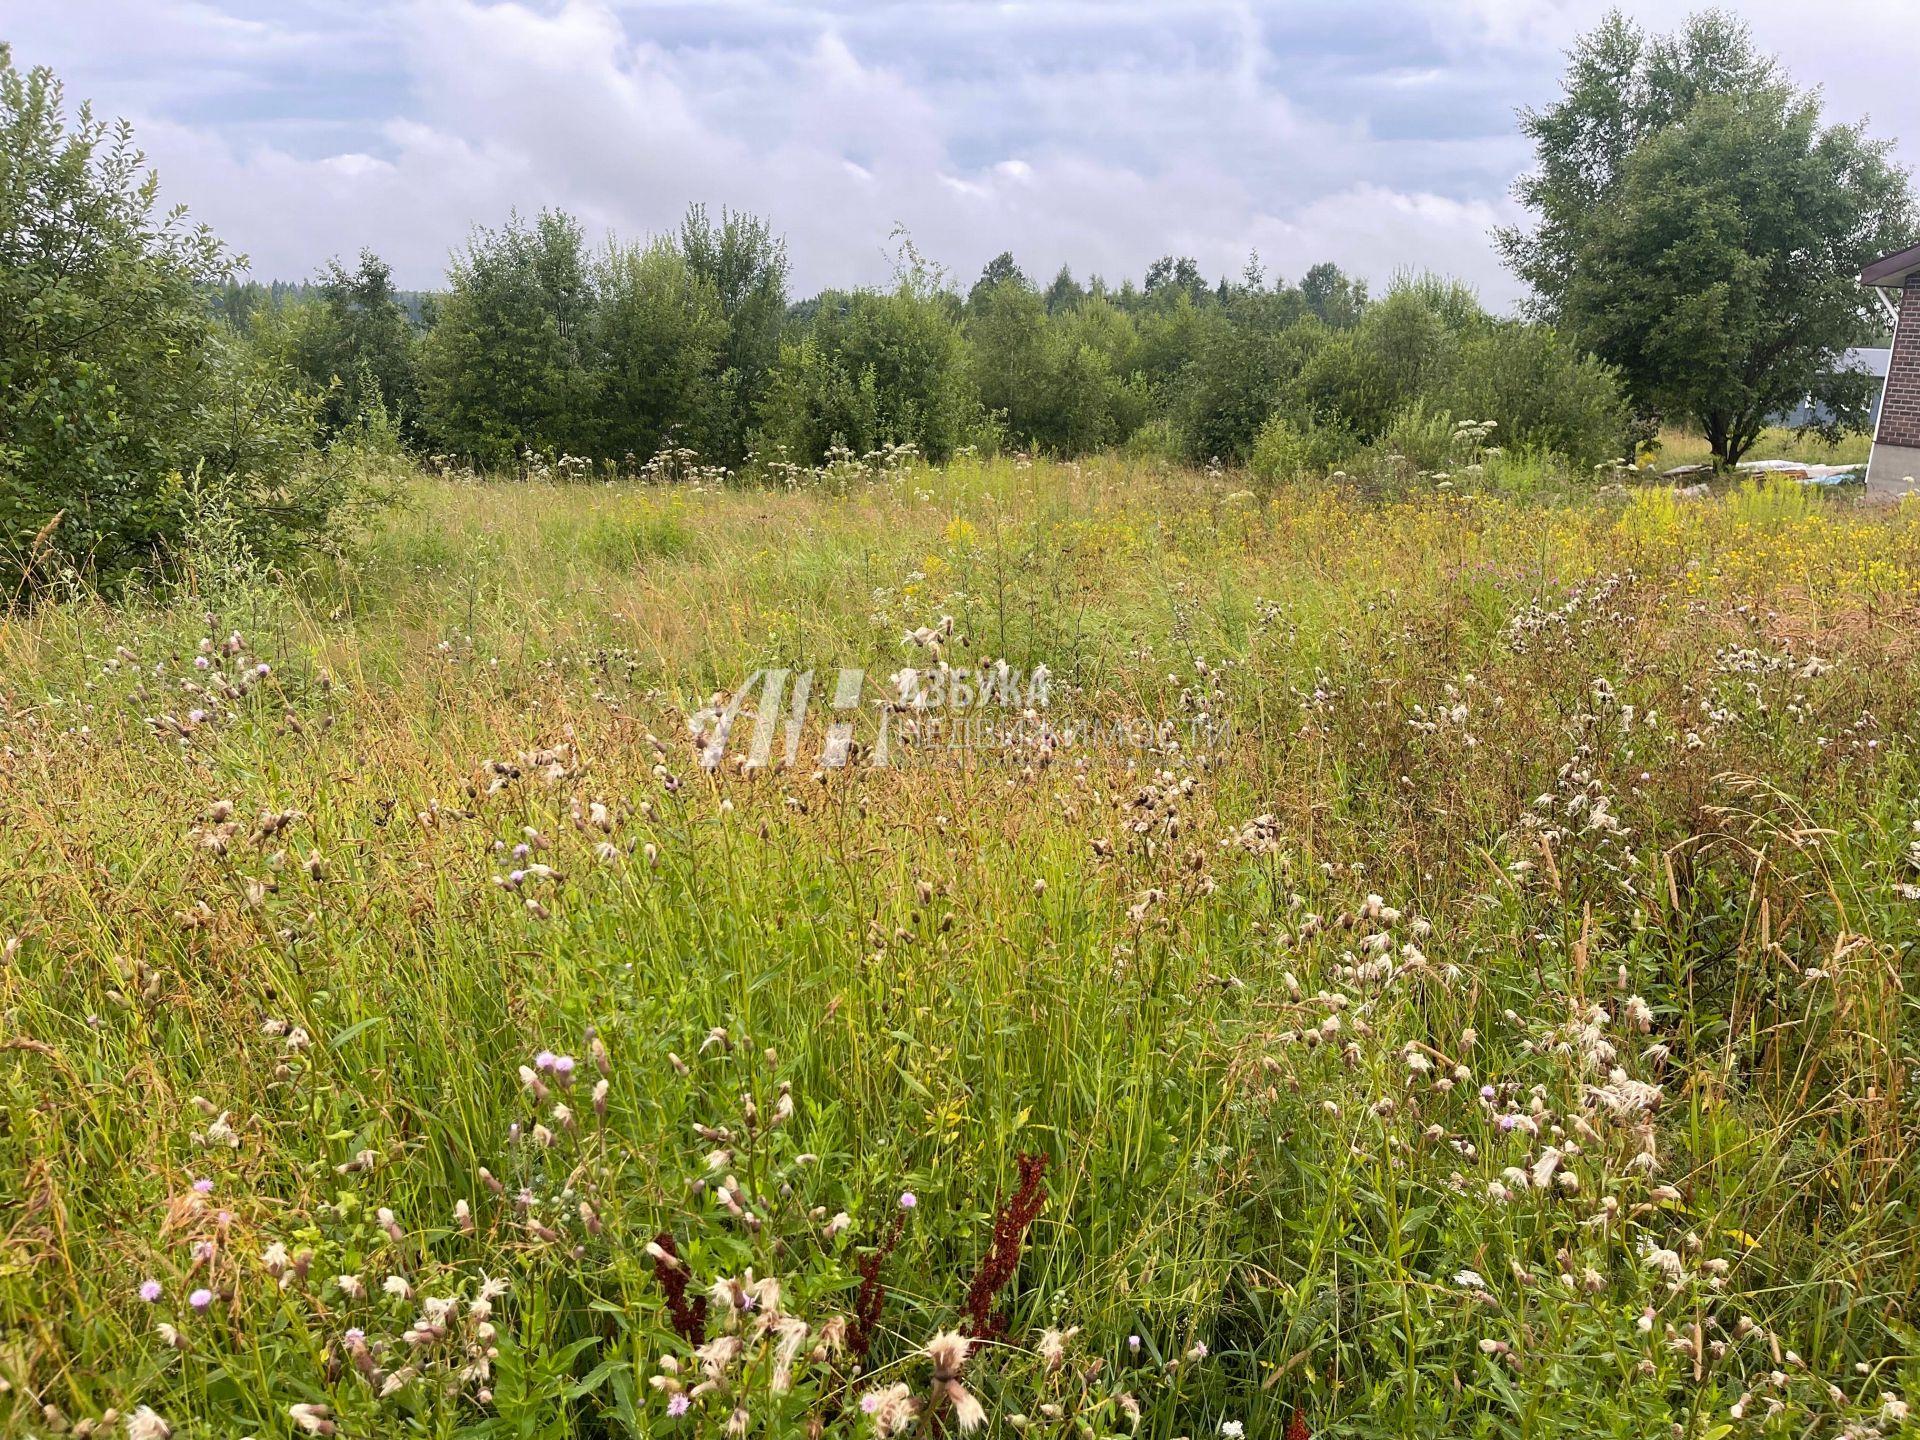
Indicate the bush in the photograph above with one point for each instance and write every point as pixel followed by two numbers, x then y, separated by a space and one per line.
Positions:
pixel 1545 394
pixel 1421 435
pixel 877 369
pixel 1280 453
pixel 125 409
pixel 1236 378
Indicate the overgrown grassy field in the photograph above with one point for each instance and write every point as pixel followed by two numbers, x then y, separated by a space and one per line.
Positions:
pixel 1439 967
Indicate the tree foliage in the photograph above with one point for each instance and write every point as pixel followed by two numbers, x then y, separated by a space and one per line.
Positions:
pixel 660 343
pixel 745 263
pixel 505 368
pixel 359 350
pixel 1700 228
pixel 126 411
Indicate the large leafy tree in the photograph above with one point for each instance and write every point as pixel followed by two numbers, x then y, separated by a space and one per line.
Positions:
pixel 506 367
pixel 745 264
pixel 658 350
pixel 1698 226
pixel 127 413
pixel 360 348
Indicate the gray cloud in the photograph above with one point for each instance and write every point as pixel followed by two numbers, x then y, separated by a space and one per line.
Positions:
pixel 1374 133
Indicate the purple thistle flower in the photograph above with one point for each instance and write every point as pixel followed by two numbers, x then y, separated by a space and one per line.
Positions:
pixel 546 1058
pixel 679 1405
pixel 201 1299
pixel 150 1290
pixel 203 1186
pixel 908 1199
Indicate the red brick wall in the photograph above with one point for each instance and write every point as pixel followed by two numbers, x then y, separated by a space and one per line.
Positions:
pixel 1900 415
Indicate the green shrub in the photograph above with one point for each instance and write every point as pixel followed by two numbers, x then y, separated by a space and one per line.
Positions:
pixel 1280 452
pixel 876 369
pixel 1422 435
pixel 1545 394
pixel 127 414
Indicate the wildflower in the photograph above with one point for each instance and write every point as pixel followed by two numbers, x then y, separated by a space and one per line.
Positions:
pixel 1199 1350
pixel 203 1186
pixel 793 1334
pixel 397 1286
pixel 892 1410
pixel 1133 1344
pixel 201 1299
pixel 144 1424
pixel 351 1286
pixel 1010 1222
pixel 838 1225
pixel 679 1404
pixel 149 1290
pixel 908 1199
pixel 1667 1262
pixel 717 1355
pixel 1232 1429
pixel 1052 1348
pixel 398 1381
pixel 1469 1280
pixel 220 1131
pixel 948 1352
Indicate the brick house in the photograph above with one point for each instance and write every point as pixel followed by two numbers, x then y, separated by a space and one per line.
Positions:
pixel 1895 461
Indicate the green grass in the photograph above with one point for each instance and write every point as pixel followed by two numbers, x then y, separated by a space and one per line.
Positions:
pixel 1683 447
pixel 1568 839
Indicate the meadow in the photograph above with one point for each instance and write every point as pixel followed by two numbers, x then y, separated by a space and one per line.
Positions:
pixel 1434 965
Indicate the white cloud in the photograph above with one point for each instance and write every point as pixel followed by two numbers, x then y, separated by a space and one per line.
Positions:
pixel 1367 132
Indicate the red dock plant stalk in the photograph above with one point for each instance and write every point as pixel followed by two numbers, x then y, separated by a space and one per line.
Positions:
pixel 689 1315
pixel 997 1267
pixel 872 1296
pixel 1297 1426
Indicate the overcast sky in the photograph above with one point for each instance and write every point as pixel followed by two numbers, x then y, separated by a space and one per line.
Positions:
pixel 1100 133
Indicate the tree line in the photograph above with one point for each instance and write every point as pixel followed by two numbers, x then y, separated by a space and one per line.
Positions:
pixel 542 344
pixel 1696 232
